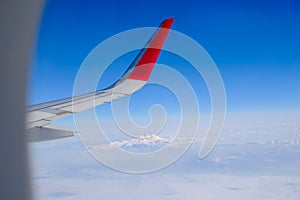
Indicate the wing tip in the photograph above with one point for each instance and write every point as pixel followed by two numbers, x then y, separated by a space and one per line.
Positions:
pixel 167 23
pixel 143 68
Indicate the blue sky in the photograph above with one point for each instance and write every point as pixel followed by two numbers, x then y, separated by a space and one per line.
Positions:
pixel 255 45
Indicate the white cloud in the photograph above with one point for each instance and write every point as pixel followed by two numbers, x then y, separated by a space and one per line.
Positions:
pixel 247 163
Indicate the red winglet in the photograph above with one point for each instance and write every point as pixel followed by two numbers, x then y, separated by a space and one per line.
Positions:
pixel 144 67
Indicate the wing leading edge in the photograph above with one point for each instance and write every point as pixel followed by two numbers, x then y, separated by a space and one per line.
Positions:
pixel 39 116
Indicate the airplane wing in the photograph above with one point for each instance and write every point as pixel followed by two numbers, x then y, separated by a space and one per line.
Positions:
pixel 39 116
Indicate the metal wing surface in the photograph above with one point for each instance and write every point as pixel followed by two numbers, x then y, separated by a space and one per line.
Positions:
pixel 39 116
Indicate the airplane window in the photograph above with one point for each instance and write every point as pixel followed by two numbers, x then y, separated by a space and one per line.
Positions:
pixel 159 100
